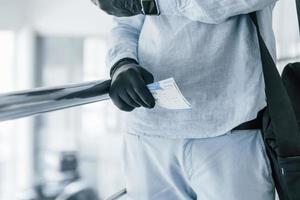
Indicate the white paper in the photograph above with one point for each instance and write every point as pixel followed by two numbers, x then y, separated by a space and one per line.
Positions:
pixel 168 95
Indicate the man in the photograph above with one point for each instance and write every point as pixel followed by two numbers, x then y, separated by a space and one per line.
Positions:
pixel 210 47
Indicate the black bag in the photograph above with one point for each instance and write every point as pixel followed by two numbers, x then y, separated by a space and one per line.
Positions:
pixel 281 120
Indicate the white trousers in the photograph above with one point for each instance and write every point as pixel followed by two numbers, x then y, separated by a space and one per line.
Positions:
pixel 233 166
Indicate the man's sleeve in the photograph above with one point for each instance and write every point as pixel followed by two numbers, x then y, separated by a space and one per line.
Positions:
pixel 211 11
pixel 123 39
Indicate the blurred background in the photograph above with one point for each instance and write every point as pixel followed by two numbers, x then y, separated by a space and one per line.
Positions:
pixel 48 43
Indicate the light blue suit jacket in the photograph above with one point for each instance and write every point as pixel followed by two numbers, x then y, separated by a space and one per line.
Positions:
pixel 211 49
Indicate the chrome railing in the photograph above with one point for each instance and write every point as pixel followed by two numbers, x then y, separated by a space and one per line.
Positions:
pixel 20 104
pixel 31 102
pixel 117 195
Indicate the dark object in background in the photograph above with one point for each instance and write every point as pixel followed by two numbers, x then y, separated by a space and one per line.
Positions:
pixel 77 191
pixel 281 120
pixel 70 187
pixel 69 162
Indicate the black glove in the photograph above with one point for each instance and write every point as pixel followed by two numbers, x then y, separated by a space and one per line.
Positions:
pixel 120 8
pixel 128 88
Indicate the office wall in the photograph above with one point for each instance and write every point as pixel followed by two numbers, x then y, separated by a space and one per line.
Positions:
pixel 286 29
pixel 12 13
pixel 69 17
pixel 55 17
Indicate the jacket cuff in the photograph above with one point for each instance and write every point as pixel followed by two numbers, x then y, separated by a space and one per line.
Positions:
pixel 121 63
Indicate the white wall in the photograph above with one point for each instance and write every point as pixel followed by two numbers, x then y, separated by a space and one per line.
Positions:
pixel 55 17
pixel 286 29
pixel 12 13
pixel 71 17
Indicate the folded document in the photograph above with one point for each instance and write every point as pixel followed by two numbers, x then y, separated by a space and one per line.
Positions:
pixel 168 95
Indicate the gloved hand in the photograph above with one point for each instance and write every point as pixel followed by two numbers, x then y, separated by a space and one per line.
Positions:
pixel 128 88
pixel 120 8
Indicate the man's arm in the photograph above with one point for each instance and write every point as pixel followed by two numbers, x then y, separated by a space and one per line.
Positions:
pixel 211 11
pixel 128 88
pixel 123 39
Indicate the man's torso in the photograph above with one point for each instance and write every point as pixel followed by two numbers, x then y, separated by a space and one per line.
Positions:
pixel 216 66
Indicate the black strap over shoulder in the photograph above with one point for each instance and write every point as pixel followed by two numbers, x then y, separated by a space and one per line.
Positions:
pixel 298 12
pixel 279 105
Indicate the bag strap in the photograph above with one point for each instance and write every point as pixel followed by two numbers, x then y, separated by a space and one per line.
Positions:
pixel 298 12
pixel 280 108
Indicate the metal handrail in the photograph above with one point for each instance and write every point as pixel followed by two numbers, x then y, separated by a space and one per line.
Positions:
pixel 25 103
pixel 36 101
pixel 118 195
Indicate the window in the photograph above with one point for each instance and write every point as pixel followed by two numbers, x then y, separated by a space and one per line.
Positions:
pixel 93 131
pixel 7 131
